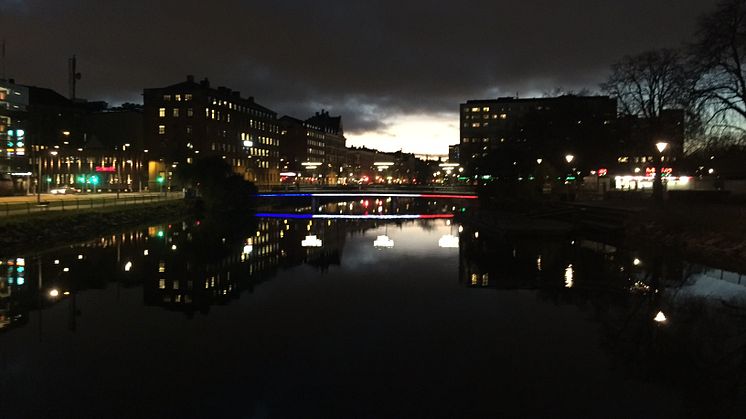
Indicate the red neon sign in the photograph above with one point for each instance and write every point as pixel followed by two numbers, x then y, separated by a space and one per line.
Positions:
pixel 107 169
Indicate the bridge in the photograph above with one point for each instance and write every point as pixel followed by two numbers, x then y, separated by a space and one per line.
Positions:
pixel 373 191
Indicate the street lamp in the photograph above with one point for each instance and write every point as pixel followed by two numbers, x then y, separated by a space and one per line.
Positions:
pixel 658 181
pixel 538 161
pixel 569 158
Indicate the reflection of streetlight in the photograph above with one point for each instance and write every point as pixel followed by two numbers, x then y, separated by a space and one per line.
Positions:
pixel 660 317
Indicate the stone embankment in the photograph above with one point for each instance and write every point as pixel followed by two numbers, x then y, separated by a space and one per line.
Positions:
pixel 43 231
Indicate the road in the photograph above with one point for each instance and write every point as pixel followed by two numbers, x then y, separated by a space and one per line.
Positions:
pixel 24 205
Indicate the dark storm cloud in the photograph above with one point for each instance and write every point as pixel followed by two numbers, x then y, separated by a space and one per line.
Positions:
pixel 363 59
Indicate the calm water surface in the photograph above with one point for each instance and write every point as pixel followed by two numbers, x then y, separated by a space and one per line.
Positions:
pixel 266 320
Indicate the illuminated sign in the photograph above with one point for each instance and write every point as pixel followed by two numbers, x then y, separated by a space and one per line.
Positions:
pixel 666 171
pixel 106 169
pixel 603 172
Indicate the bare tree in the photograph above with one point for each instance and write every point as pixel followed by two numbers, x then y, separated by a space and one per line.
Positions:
pixel 720 51
pixel 648 83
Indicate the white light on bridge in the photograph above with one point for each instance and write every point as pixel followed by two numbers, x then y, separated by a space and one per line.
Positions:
pixel 448 241
pixel 248 249
pixel 311 241
pixel 383 241
pixel 660 317
pixel 127 266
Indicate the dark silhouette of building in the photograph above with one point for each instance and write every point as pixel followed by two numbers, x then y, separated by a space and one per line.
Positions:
pixel 314 148
pixel 190 119
pixel 504 137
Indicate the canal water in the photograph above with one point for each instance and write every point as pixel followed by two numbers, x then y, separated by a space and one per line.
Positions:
pixel 288 315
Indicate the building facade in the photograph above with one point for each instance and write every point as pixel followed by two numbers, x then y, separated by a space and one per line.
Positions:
pixel 510 137
pixel 192 119
pixel 314 150
pixel 14 171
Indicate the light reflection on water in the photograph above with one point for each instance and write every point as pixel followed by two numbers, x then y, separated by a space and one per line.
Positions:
pixel 637 311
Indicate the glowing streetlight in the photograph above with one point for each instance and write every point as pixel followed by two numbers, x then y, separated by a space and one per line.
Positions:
pixel 569 158
pixel 661 146
pixel 538 161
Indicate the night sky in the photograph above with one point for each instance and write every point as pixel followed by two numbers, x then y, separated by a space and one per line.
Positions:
pixel 395 70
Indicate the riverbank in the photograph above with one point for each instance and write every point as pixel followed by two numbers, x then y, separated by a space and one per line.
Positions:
pixel 713 234
pixel 30 233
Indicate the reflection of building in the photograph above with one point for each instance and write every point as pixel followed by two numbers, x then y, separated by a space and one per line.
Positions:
pixel 13 290
pixel 194 286
pixel 189 119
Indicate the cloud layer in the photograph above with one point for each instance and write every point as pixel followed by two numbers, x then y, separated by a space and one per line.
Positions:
pixel 371 61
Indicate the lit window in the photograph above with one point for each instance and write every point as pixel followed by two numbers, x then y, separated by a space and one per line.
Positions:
pixel 475 125
pixel 167 98
pixel 190 112
pixel 187 97
pixel 162 283
pixel 161 129
pixel 475 109
pixel 176 112
pixel 485 109
pixel 162 112
pixel 503 116
pixel 178 98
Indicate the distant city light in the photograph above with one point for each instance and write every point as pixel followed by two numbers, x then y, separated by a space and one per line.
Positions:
pixel 54 292
pixel 127 266
pixel 660 317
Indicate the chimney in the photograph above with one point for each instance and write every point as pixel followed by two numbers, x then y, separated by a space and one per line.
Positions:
pixel 190 78
pixel 251 99
pixel 205 82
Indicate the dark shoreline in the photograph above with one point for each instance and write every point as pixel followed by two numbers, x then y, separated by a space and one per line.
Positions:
pixel 44 231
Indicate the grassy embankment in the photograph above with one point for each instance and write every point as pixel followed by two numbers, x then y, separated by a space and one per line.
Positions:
pixel 709 233
pixel 45 230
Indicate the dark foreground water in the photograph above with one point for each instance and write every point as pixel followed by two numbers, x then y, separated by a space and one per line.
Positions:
pixel 263 320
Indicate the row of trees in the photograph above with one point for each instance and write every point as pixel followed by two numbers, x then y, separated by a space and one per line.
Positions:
pixel 706 78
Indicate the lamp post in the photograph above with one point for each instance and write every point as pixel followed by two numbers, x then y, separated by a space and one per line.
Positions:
pixel 658 181
pixel 569 159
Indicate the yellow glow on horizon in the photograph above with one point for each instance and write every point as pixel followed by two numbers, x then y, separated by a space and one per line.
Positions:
pixel 415 133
